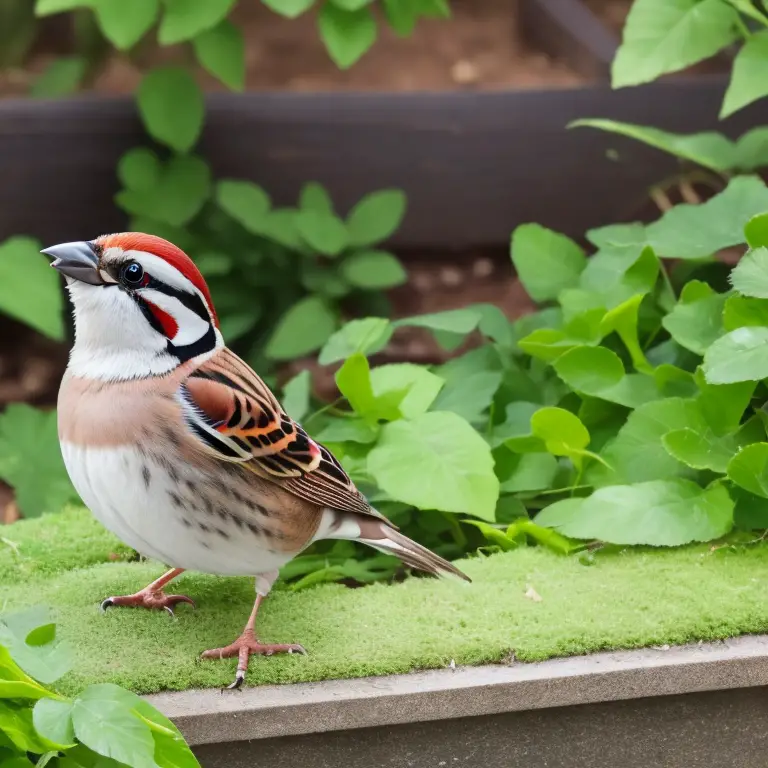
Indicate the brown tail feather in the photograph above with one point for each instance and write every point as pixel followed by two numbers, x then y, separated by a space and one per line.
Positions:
pixel 390 541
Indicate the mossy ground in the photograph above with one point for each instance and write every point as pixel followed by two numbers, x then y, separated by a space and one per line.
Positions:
pixel 625 600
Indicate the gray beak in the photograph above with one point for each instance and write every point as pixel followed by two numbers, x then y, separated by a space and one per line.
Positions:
pixel 76 260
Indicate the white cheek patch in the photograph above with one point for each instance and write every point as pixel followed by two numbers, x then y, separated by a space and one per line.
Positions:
pixel 191 327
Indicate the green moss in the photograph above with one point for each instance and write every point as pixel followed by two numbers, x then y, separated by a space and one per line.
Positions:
pixel 623 600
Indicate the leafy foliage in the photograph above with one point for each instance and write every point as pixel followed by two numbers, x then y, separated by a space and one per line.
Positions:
pixel 104 725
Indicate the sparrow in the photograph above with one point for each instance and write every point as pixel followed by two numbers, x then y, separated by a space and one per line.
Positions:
pixel 179 448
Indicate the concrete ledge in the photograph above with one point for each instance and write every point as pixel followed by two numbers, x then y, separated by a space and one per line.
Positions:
pixel 214 717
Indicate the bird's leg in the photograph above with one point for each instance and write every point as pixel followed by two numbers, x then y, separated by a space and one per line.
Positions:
pixel 248 644
pixel 152 596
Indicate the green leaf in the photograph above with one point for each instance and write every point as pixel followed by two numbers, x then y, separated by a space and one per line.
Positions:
pixel 738 356
pixel 351 5
pixel 662 513
pixel 18 689
pixel 700 450
pixel 221 51
pixel 53 721
pixel 139 169
pixel 280 226
pixel 305 327
pixel 751 511
pixel 697 231
pixel 354 382
pixel 124 24
pixel 289 8
pixel 624 319
pixel 697 319
pixel 749 77
pixel 373 270
pixel 723 406
pixel 437 461
pixel 315 197
pixel 30 460
pixel 245 202
pixel 177 197
pixel 756 230
pixel 48 7
pixel 663 36
pixel 740 312
pixel 348 431
pixel 637 454
pixel 752 150
pixel 296 394
pixel 562 432
pixel 376 217
pixel 324 232
pixel 460 321
pixel 469 396
pixel 418 387
pixel 750 276
pixel 16 725
pixel 368 335
pixel 547 344
pixel 599 372
pixel 61 77
pixel 30 290
pixel 107 726
pixel 749 469
pixel 529 472
pixel 347 34
pixel 185 19
pixel 171 106
pixel 546 261
pixel 709 149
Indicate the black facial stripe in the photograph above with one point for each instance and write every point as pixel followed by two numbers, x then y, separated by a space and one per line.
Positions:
pixel 205 343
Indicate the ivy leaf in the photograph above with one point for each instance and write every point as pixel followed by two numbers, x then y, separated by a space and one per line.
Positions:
pixel 599 372
pixel 347 34
pixel 368 336
pixel 750 276
pixel 697 319
pixel 30 460
pixel 749 469
pixel 663 36
pixel 185 19
pixel 305 327
pixel 124 24
pixel 221 51
pixel 376 217
pixel 737 356
pixel 30 291
pixel 324 232
pixel 709 149
pixel 546 261
pixel 245 202
pixel 171 107
pixel 662 513
pixel 61 77
pixel 690 231
pixel 436 461
pixel 373 270
pixel 296 395
pixel 749 76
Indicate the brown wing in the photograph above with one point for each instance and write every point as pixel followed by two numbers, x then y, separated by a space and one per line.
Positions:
pixel 234 413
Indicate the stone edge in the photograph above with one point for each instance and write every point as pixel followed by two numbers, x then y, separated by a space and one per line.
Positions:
pixel 213 716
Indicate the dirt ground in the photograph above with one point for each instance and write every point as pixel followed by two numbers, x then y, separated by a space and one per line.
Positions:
pixel 481 46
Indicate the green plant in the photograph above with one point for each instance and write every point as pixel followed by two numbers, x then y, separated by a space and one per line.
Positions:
pixel 104 725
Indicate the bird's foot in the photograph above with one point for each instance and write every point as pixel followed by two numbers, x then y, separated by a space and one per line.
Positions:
pixel 152 599
pixel 244 647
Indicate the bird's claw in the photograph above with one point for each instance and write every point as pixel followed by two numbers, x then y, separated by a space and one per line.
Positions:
pixel 150 600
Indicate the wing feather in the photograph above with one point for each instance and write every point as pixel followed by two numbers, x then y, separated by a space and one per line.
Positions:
pixel 236 415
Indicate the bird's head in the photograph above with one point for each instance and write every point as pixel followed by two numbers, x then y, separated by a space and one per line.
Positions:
pixel 141 306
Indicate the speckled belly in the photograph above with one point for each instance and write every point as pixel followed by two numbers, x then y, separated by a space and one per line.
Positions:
pixel 181 518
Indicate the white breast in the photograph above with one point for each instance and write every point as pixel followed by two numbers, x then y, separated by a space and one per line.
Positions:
pixel 164 518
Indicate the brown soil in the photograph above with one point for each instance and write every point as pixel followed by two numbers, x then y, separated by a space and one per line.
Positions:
pixel 480 47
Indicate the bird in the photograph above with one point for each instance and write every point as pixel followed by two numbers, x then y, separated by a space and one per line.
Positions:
pixel 180 449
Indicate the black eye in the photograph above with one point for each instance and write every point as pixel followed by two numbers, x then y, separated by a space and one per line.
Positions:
pixel 132 274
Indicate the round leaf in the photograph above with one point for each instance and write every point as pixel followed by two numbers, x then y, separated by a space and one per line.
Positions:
pixel 324 232
pixel 172 107
pixel 125 23
pixel 562 432
pixel 373 269
pixel 376 217
pixel 437 461
pixel 184 19
pixel 221 51
pixel 289 8
pixel 139 169
pixel 245 202
pixel 738 356
pixel 659 513
pixel 750 276
pixel 749 469
pixel 53 721
pixel 347 34
pixel 304 328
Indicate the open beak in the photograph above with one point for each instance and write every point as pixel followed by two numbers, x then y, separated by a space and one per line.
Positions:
pixel 76 260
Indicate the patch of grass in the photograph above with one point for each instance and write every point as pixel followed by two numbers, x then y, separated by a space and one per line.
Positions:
pixel 627 600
